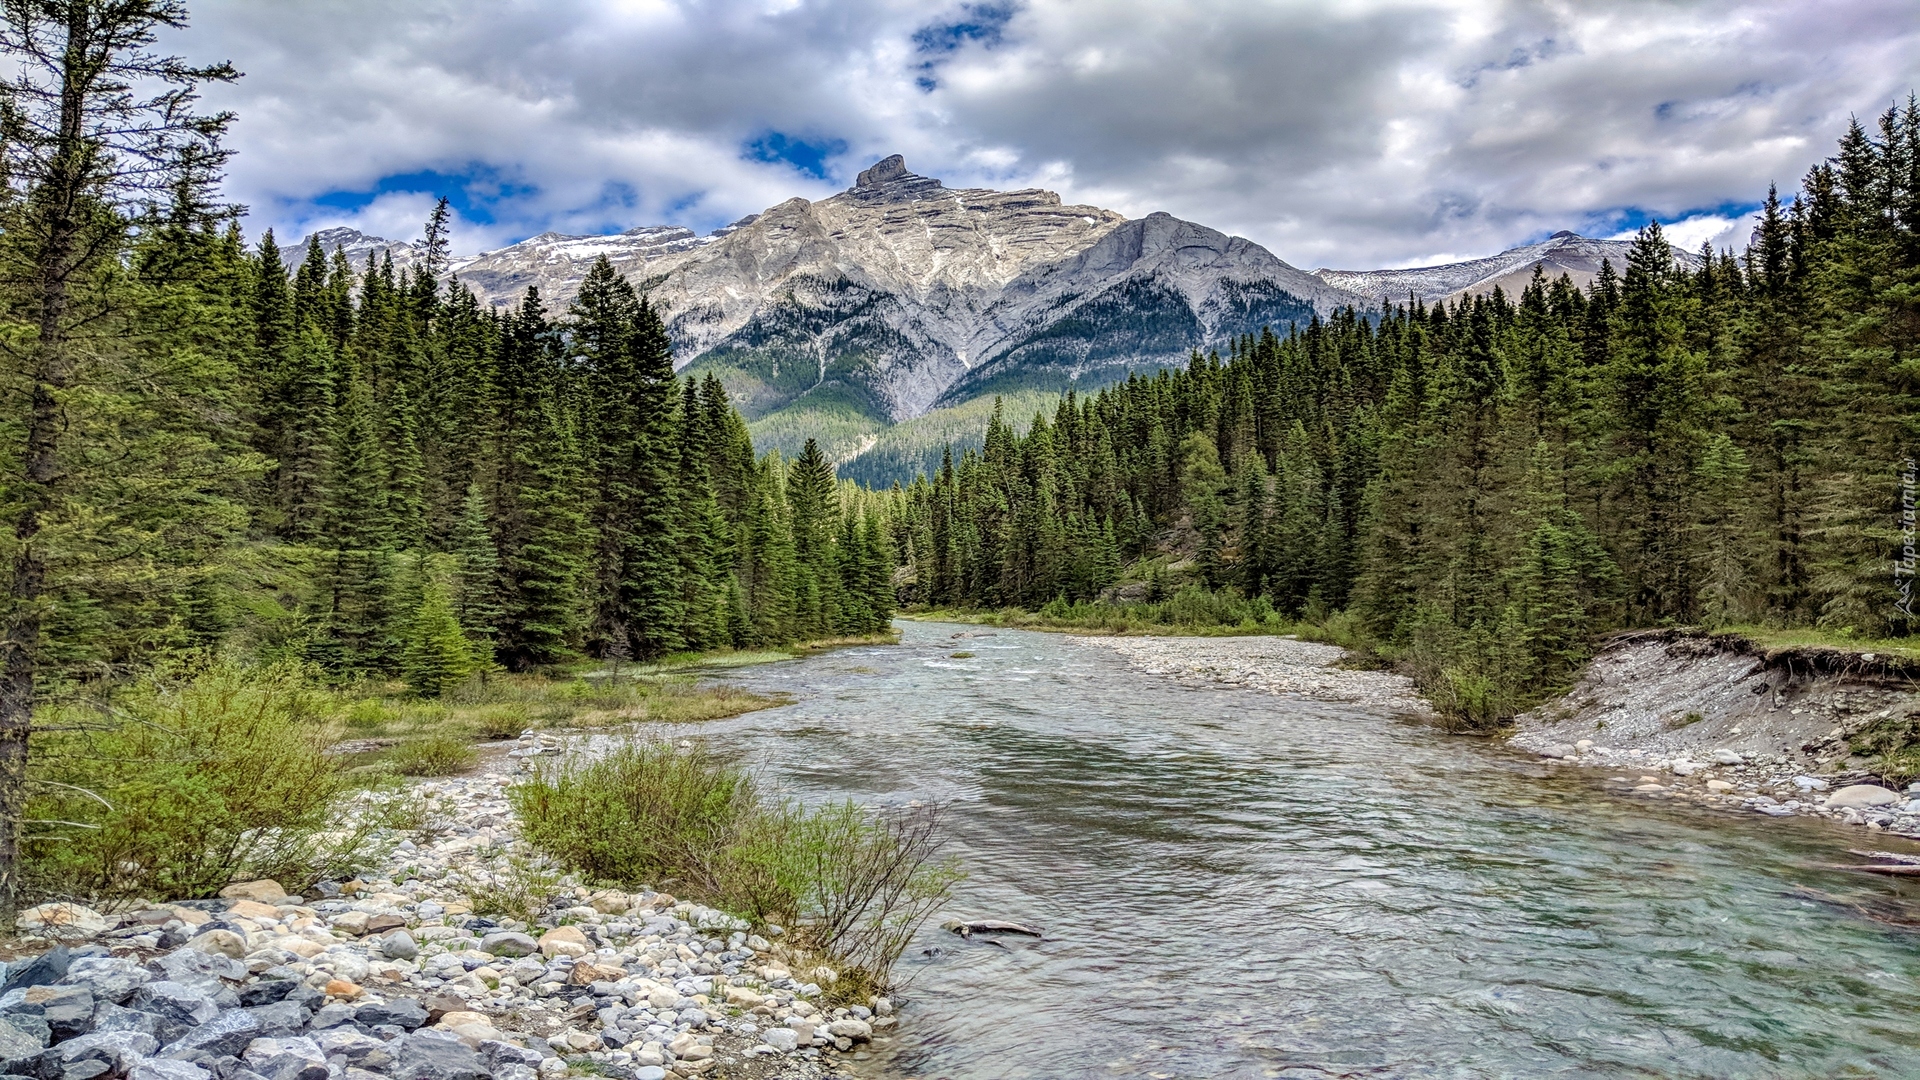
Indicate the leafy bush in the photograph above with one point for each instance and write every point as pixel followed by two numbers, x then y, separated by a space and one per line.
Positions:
pixel 645 813
pixel 854 885
pixel 436 755
pixel 187 783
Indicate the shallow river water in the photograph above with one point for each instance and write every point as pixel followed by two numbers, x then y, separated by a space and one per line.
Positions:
pixel 1235 884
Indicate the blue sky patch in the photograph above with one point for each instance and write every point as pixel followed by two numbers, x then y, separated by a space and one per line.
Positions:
pixel 472 193
pixel 1621 219
pixel 984 24
pixel 804 155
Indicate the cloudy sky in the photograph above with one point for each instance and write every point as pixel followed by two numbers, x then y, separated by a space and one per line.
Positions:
pixel 1346 133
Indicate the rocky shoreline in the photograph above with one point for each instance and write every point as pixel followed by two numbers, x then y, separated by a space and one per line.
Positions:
pixel 1722 723
pixel 1671 717
pixel 391 976
pixel 1276 665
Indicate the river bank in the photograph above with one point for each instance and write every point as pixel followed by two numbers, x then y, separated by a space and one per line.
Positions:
pixel 394 974
pixel 1716 721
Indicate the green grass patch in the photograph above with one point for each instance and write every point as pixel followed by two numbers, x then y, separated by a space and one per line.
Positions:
pixel 435 755
pixel 1770 637
pixel 852 884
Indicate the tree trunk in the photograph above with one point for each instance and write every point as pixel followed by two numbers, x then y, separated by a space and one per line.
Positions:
pixel 58 201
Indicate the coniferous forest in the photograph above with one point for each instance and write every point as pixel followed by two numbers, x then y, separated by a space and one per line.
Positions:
pixel 365 469
pixel 1478 488
pixel 394 481
pixel 207 451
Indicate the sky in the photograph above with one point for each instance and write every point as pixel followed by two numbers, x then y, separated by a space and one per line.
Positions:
pixel 1345 133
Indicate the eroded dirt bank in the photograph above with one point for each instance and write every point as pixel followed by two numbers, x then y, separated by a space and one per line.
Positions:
pixel 1722 721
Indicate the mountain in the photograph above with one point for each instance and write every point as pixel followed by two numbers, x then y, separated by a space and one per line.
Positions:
pixel 884 319
pixel 357 246
pixel 1567 253
pixel 843 316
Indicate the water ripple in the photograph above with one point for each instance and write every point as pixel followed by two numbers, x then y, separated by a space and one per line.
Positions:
pixel 1241 885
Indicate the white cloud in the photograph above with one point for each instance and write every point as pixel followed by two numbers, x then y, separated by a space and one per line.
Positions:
pixel 1718 230
pixel 1356 133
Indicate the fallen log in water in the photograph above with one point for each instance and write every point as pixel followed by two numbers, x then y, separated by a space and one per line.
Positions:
pixel 968 928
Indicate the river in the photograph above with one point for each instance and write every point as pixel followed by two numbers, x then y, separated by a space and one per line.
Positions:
pixel 1236 884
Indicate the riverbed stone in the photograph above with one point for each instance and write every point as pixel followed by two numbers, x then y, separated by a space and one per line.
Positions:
pixel 399 945
pixel 564 941
pixel 438 1055
pixel 294 1058
pixel 265 891
pixel 62 920
pixel 1724 756
pixel 1861 795
pixel 223 942
pixel 509 943
pixel 226 1035
pixel 176 1002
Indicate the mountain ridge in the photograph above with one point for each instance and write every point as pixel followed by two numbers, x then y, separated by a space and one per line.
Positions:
pixel 898 297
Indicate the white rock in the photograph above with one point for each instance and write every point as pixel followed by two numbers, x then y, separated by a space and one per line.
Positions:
pixel 62 919
pixel 1727 757
pixel 1856 795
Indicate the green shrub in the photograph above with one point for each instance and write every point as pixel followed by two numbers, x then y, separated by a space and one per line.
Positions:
pixel 854 885
pixel 436 755
pixel 189 782
pixel 645 813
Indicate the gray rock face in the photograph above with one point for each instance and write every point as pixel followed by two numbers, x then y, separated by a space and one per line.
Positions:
pixel 209 971
pixel 267 991
pixel 110 1017
pixel 294 1058
pixel 176 1003
pixel 118 1050
pixel 48 967
pixel 109 978
pixel 68 1010
pixel 400 1012
pixel 225 1035
pixel 332 1015
pixel 354 1048
pixel 280 1019
pixel 163 1069
pixel 438 1055
pixel 18 1048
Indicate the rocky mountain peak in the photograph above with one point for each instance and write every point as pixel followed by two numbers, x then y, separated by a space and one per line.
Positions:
pixel 889 181
pixel 887 168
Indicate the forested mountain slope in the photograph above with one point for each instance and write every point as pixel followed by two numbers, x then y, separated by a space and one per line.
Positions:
pixel 841 317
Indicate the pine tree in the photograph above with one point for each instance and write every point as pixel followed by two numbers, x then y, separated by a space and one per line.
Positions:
pixel 438 655
pixel 477 574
